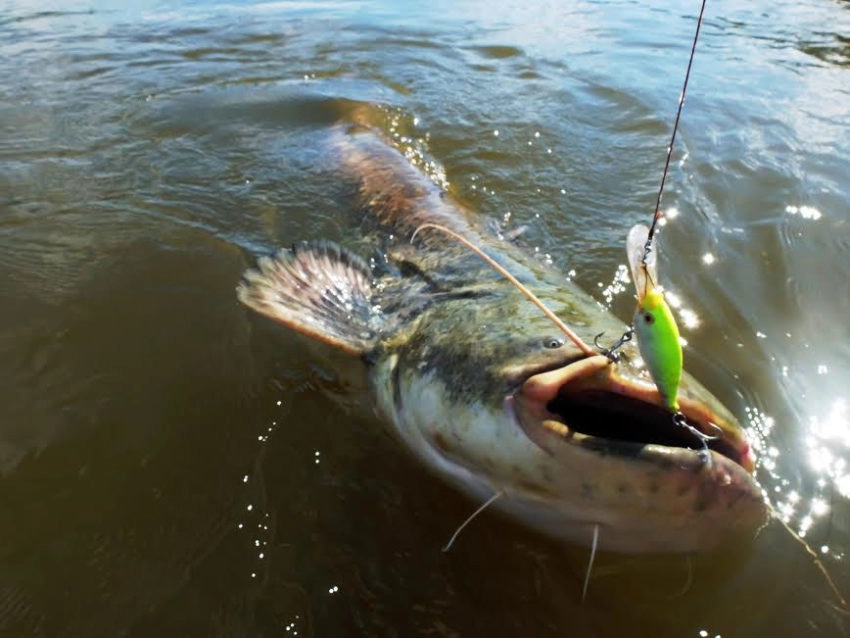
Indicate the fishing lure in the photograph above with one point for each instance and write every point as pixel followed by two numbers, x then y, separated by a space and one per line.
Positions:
pixel 654 324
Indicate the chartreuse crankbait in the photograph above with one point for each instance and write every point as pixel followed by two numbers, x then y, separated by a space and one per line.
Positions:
pixel 654 324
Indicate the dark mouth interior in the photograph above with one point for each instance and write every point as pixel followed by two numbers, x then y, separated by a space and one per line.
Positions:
pixel 615 417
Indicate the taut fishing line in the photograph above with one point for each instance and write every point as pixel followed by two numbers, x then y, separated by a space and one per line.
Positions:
pixel 657 214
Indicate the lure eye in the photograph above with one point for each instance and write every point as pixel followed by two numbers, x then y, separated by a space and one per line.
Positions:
pixel 552 343
pixel 648 318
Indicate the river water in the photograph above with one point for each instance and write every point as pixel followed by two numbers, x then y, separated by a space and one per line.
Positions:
pixel 170 466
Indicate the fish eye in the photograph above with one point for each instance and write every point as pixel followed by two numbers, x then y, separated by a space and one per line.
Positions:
pixel 648 319
pixel 553 342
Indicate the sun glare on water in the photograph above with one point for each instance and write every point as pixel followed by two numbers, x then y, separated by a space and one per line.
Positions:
pixel 828 436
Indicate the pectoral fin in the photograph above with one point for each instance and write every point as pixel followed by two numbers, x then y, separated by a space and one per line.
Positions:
pixel 319 289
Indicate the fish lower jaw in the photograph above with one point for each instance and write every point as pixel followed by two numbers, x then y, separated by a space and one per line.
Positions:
pixel 644 498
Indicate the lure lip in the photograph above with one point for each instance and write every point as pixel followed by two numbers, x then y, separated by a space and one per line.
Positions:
pixel 589 403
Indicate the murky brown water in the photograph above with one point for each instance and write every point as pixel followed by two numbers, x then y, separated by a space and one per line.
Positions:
pixel 170 467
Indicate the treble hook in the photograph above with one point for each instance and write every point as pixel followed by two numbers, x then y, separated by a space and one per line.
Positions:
pixel 611 352
pixel 681 421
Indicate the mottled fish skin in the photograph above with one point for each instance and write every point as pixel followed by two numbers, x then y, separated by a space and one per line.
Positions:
pixel 458 342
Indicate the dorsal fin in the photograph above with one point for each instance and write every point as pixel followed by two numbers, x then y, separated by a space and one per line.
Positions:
pixel 319 289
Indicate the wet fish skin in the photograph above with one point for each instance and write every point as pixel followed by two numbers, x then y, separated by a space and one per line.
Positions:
pixel 452 351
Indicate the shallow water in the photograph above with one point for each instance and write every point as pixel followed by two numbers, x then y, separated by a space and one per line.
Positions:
pixel 168 466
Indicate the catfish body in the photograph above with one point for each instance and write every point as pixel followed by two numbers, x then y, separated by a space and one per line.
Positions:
pixel 483 389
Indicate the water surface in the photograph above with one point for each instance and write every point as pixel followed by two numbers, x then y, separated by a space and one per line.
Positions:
pixel 171 466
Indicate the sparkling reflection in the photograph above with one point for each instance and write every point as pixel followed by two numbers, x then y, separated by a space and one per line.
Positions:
pixel 828 437
pixel 618 285
pixel 257 522
pixel 806 212
pixel 826 443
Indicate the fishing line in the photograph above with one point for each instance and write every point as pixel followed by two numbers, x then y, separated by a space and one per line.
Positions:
pixel 657 214
pixel 821 567
pixel 610 352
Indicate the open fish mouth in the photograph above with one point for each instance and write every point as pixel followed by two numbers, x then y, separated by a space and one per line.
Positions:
pixel 588 403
